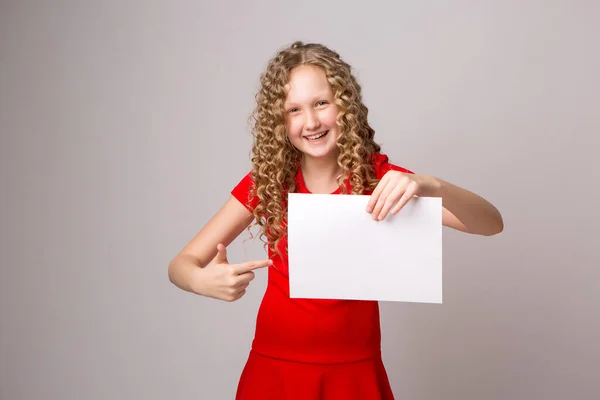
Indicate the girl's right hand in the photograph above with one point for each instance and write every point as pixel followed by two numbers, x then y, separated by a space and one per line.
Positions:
pixel 224 281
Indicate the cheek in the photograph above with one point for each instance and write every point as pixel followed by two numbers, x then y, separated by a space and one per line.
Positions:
pixel 292 129
pixel 294 126
pixel 331 117
pixel 332 112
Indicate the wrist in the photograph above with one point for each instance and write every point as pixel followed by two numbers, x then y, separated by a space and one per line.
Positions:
pixel 433 187
pixel 197 281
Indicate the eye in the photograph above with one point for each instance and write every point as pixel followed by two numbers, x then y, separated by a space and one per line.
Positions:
pixel 321 103
pixel 292 110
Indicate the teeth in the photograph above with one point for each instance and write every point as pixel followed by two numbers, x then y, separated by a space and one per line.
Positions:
pixel 317 136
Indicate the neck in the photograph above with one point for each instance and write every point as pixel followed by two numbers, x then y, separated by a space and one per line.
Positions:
pixel 320 168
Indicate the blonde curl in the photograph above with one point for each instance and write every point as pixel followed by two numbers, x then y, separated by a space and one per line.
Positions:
pixel 275 160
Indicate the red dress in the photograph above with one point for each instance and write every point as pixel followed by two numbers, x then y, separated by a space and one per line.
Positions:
pixel 309 349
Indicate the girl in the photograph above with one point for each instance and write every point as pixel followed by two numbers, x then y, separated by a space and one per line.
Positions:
pixel 311 135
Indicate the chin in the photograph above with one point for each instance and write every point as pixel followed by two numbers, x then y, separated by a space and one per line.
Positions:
pixel 327 154
pixel 320 153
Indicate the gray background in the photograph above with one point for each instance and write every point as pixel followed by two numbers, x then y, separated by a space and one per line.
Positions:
pixel 124 127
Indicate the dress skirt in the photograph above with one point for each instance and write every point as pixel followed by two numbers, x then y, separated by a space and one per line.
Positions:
pixel 265 378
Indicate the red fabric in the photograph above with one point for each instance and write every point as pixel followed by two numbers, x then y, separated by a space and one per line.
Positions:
pixel 313 331
pixel 266 378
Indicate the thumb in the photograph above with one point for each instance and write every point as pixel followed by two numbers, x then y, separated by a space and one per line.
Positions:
pixel 221 257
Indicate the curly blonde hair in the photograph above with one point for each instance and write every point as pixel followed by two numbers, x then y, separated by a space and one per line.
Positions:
pixel 275 160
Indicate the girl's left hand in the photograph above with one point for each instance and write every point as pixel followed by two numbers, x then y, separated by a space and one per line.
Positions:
pixel 395 189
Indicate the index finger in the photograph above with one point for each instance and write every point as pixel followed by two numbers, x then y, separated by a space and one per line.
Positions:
pixel 376 193
pixel 250 266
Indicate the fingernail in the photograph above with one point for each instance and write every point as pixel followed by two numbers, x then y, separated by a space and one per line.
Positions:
pixel 369 209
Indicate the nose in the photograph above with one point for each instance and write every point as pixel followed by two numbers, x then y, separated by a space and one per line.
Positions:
pixel 312 121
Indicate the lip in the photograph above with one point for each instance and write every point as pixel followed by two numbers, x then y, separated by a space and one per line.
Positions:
pixel 314 134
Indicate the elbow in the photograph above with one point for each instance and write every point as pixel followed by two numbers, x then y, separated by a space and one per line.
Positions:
pixel 171 272
pixel 495 228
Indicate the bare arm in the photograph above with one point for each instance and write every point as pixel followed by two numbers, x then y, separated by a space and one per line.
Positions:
pixel 224 227
pixel 468 212
pixel 462 210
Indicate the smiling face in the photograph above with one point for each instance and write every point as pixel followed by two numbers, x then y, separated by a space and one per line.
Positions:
pixel 311 113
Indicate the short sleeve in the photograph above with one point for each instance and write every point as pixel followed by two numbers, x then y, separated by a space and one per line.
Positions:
pixel 398 168
pixel 242 192
pixel 382 166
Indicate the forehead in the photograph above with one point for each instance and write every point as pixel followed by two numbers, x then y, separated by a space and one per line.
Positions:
pixel 306 82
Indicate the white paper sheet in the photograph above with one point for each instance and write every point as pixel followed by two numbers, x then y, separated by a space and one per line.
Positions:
pixel 337 251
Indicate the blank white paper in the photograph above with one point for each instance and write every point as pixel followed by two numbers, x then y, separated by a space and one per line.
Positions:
pixel 337 251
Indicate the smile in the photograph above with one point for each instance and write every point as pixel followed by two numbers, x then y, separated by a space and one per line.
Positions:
pixel 316 136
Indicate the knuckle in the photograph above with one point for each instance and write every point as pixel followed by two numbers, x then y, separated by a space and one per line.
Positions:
pixel 231 281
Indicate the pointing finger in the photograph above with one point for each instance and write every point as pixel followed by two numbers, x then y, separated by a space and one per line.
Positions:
pixel 251 265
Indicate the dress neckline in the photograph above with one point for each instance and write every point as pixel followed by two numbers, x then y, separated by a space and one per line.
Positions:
pixel 302 185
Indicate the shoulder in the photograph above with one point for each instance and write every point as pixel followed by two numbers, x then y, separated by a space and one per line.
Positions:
pixel 382 165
